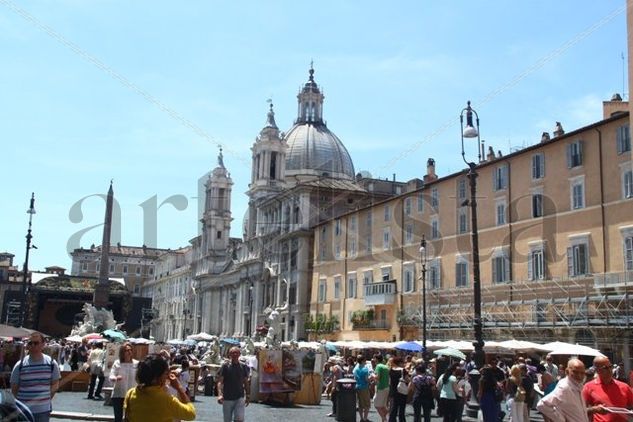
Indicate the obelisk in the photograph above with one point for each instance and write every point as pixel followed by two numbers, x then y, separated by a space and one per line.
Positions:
pixel 101 296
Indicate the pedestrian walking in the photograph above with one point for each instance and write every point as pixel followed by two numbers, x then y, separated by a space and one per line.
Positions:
pixel 96 360
pixel 123 377
pixel 604 391
pixel 234 387
pixel 489 394
pixel 381 397
pixel 361 376
pixel 397 399
pixel 35 379
pixel 565 402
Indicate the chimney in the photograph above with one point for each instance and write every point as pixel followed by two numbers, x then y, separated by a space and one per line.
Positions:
pixel 614 106
pixel 558 130
pixel 545 137
pixel 430 170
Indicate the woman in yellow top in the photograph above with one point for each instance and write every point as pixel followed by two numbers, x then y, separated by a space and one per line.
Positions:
pixel 150 400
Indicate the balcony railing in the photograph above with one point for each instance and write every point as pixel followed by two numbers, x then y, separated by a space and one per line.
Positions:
pixel 378 324
pixel 613 279
pixel 383 293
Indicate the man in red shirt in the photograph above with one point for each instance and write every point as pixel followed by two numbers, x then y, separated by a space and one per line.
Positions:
pixel 604 392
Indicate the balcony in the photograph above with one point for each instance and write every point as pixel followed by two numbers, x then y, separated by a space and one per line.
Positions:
pixel 383 293
pixel 376 324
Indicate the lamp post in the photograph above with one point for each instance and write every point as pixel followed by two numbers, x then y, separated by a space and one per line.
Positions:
pixel 25 269
pixel 423 257
pixel 185 313
pixel 472 131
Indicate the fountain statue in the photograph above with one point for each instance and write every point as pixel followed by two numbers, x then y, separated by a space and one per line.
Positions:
pixel 95 321
pixel 275 325
pixel 213 356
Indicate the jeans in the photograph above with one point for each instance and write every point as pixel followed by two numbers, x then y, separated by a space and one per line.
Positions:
pixel 422 408
pixel 233 410
pixel 42 417
pixel 398 405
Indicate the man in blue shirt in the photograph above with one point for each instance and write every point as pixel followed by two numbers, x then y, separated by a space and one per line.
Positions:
pixel 361 375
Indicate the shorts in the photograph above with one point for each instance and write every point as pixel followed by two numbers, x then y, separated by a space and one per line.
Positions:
pixel 364 402
pixel 381 397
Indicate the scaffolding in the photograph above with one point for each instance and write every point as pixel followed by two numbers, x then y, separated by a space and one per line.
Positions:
pixel 592 309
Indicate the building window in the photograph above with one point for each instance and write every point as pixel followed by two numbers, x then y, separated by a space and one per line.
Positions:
pixel 84 266
pixel 352 223
pixel 409 279
pixel 628 253
pixel 538 166
pixel 420 203
pixel 435 198
pixel 500 178
pixel 352 247
pixel 500 269
pixel 574 154
pixel 627 183
pixel 386 273
pixel 138 270
pixel 461 273
pixel 408 235
pixel 407 206
pixel 125 269
pixel 337 227
pixel 151 270
pixel 577 260
pixel 434 275
pixel 98 266
pixel 112 268
pixel 337 287
pixel 368 277
pixel 623 139
pixel 461 189
pixel 386 238
pixel 577 193
pixel 387 213
pixel 435 228
pixel 537 205
pixel 462 220
pixel 369 230
pixel 337 253
pixel 137 288
pixel 351 285
pixel 536 264
pixel 322 290
pixel 501 213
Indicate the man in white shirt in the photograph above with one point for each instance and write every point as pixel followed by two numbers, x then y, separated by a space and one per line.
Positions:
pixel 566 403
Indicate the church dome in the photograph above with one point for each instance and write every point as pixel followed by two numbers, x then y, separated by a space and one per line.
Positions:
pixel 312 149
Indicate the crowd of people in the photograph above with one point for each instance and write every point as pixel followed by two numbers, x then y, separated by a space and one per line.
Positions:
pixel 502 387
pixel 155 388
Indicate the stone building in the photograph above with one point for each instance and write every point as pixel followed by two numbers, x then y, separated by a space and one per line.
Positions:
pixel 555 227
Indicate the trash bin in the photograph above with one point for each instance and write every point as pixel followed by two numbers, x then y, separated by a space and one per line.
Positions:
pixel 209 385
pixel 346 400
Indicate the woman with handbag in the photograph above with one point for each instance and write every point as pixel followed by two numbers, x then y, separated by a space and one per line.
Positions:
pixel 398 389
pixel 123 377
pixel 423 386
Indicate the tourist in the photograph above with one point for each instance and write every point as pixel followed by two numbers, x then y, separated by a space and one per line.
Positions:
pixel 489 395
pixel 123 377
pixel 361 376
pixel 381 378
pixel 234 387
pixel 547 382
pixel 398 400
pixel 337 374
pixel 461 392
pixel 566 403
pixel 35 379
pixel 96 360
pixel 605 391
pixel 447 384
pixel 184 376
pixel 82 351
pixel 423 394
pixel 550 366
pixel 517 394
pixel 150 401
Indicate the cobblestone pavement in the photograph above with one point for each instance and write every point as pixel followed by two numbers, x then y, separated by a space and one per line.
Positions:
pixel 208 409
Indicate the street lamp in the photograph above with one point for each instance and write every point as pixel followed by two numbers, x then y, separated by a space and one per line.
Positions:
pixel 423 256
pixel 472 131
pixel 25 269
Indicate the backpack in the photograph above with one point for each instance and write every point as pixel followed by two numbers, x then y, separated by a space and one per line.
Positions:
pixel 47 360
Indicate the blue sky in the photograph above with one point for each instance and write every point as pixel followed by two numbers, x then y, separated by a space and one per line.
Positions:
pixel 145 92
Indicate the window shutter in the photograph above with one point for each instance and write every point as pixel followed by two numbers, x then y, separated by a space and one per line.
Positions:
pixel 582 258
pixel 580 153
pixel 494 180
pixel 568 151
pixel 495 262
pixel 534 166
pixel 541 163
pixel 530 263
pixel 620 139
pixel 506 268
pixel 570 262
pixel 504 177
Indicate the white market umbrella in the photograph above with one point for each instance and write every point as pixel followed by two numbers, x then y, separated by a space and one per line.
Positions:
pixel 202 337
pixel 449 351
pixel 575 350
pixel 74 339
pixel 523 346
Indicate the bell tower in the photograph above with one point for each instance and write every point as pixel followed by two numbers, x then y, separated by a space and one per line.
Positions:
pixel 216 220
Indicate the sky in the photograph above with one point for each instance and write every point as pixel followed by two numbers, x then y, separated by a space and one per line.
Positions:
pixel 144 93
